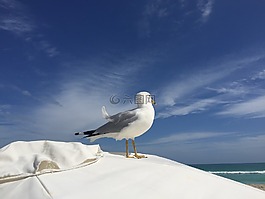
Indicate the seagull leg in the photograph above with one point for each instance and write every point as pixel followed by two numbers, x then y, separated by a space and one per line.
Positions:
pixel 135 152
pixel 127 150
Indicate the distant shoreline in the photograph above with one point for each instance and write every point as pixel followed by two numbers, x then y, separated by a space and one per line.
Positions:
pixel 258 186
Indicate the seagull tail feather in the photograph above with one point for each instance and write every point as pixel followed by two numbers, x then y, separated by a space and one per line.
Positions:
pixel 105 114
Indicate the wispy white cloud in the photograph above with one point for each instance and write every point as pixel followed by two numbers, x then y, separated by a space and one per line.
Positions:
pixel 198 80
pixel 187 137
pixel 182 3
pixel 193 147
pixel 243 144
pixel 48 48
pixel 79 110
pixel 153 11
pixel 259 76
pixel 16 20
pixel 205 7
pixel 10 4
pixel 244 97
pixel 4 108
pixel 17 25
pixel 183 87
pixel 239 148
pixel 196 107
pixel 4 114
pixel 23 92
pixel 185 95
pixel 176 13
pixel 26 93
pixel 253 108
pixel 16 88
pixel 155 8
pixel 231 90
pixel 241 88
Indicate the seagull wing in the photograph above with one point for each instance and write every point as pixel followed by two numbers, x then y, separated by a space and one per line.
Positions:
pixel 116 123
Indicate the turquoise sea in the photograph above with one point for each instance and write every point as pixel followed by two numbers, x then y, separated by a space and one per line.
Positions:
pixel 248 173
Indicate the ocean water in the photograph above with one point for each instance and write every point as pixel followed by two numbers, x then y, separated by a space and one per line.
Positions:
pixel 248 173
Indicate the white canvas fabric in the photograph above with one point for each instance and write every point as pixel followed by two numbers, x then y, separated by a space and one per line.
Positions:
pixel 23 159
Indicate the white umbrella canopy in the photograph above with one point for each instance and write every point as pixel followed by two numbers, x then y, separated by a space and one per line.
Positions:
pixel 23 159
pixel 74 170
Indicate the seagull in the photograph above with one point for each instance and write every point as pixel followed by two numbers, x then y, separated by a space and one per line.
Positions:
pixel 128 124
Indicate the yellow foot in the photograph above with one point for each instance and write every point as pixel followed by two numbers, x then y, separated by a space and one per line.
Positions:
pixel 130 156
pixel 139 156
pixel 136 156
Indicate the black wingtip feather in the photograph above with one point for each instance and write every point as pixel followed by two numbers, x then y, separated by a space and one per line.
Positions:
pixel 89 132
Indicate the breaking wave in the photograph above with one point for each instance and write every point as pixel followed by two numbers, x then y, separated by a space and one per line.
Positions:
pixel 237 172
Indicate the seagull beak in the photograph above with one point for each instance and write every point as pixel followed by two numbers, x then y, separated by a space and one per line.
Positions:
pixel 153 102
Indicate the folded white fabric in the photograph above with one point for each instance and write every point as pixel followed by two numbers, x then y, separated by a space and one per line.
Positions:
pixel 36 157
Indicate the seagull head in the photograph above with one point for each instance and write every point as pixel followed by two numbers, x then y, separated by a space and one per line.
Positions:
pixel 144 98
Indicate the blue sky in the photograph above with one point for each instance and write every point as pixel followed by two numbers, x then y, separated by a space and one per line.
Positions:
pixel 203 60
